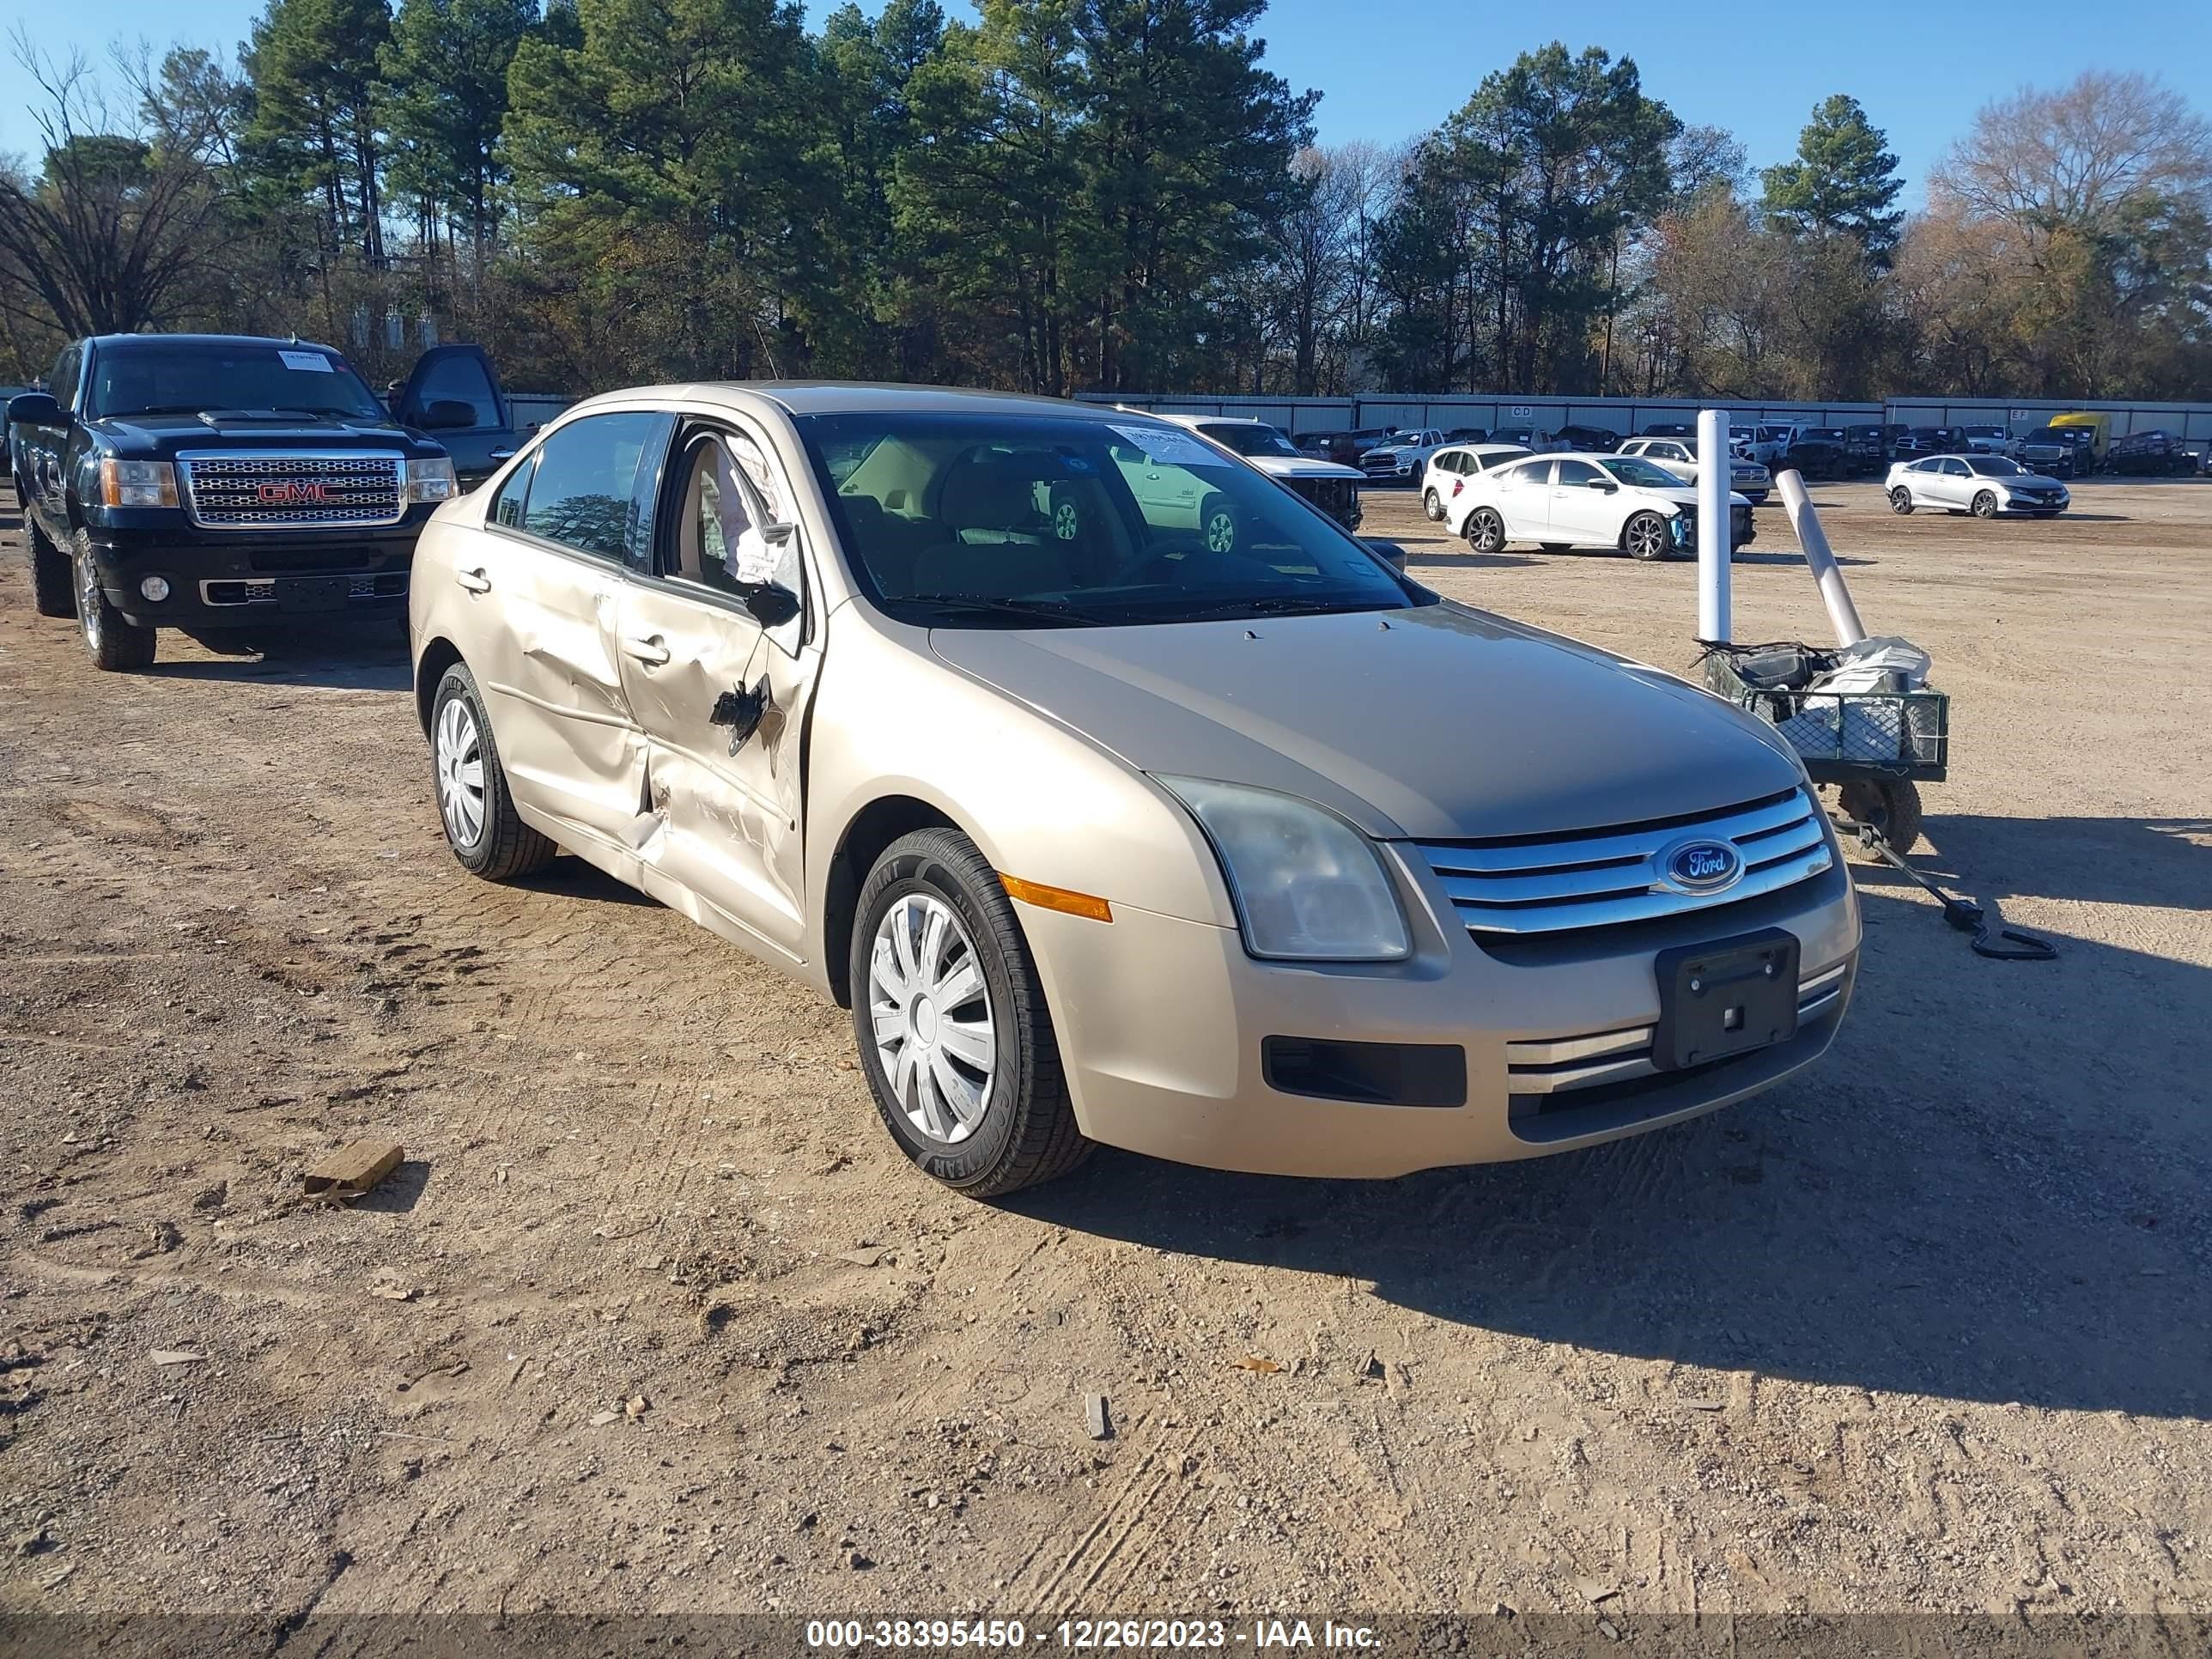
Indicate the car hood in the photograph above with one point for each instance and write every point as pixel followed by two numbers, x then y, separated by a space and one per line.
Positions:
pixel 170 433
pixel 1283 466
pixel 1446 722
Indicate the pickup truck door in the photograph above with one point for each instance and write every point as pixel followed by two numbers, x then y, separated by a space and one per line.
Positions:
pixel 547 576
pixel 458 377
pixel 45 445
pixel 721 699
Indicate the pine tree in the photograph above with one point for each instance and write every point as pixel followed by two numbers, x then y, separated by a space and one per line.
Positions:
pixel 1842 182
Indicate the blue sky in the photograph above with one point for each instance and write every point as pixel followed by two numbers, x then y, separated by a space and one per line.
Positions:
pixel 1388 71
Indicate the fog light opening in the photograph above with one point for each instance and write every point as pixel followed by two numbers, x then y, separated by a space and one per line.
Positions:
pixel 155 588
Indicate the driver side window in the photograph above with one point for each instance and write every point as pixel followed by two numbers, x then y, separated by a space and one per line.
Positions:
pixel 1578 473
pixel 729 494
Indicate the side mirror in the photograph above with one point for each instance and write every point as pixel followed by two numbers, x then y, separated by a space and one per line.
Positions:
pixel 1604 485
pixel 38 408
pixel 1390 553
pixel 771 604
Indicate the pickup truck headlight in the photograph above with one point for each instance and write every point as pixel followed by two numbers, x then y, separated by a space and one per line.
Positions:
pixel 137 483
pixel 1308 886
pixel 430 481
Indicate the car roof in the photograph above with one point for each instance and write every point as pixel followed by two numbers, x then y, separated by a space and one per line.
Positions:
pixel 869 397
pixel 1208 419
pixel 108 342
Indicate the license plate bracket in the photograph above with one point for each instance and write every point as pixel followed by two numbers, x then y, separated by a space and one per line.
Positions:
pixel 1725 998
pixel 314 592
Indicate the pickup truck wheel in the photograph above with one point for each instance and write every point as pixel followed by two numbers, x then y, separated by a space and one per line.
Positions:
pixel 1433 506
pixel 482 826
pixel 53 591
pixel 114 645
pixel 1645 536
pixel 954 1038
pixel 1217 522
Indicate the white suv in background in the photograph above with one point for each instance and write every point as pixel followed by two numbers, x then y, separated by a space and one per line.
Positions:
pixel 1450 467
pixel 1680 456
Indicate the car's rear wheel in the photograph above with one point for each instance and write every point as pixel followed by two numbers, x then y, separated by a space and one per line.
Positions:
pixel 1432 504
pixel 1900 501
pixel 1645 536
pixel 1485 530
pixel 1986 505
pixel 53 591
pixel 486 835
pixel 954 1038
pixel 114 644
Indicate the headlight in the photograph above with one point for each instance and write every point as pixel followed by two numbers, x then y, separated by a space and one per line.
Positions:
pixel 430 481
pixel 137 483
pixel 1308 886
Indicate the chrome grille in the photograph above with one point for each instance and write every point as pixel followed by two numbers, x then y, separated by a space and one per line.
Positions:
pixel 1559 1065
pixel 264 489
pixel 1338 497
pixel 1554 883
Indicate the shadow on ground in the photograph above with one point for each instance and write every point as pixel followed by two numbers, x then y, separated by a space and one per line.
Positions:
pixel 370 656
pixel 1886 1221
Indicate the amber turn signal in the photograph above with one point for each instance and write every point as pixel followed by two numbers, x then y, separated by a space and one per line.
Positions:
pixel 1057 898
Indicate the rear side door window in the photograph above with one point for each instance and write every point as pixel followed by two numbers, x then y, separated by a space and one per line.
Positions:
pixel 583 491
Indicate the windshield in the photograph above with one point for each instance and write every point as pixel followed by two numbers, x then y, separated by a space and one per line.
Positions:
pixel 1635 470
pixel 183 378
pixel 1250 440
pixel 979 520
pixel 1994 466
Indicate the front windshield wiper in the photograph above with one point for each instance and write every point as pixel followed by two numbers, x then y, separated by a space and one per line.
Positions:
pixel 1028 610
pixel 1285 604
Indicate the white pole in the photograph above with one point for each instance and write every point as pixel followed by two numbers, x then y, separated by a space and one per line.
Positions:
pixel 1713 538
pixel 1843 615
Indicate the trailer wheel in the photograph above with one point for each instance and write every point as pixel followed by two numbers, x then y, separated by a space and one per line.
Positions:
pixel 1889 805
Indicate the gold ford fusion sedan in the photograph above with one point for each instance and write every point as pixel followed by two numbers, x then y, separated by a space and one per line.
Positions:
pixel 1120 793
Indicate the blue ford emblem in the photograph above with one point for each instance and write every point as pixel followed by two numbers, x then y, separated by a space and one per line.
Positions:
pixel 1703 867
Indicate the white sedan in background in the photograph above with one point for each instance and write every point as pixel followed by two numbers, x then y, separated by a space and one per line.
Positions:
pixel 1449 468
pixel 1984 485
pixel 1563 502
pixel 1680 456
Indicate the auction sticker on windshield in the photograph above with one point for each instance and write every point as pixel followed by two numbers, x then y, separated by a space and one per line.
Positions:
pixel 1171 447
pixel 313 360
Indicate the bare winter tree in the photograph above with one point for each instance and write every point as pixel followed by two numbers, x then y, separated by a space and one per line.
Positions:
pixel 116 229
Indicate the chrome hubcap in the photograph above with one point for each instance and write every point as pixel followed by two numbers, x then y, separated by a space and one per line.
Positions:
pixel 931 1018
pixel 460 774
pixel 87 602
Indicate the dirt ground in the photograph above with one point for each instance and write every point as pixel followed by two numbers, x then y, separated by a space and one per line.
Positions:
pixel 653 1317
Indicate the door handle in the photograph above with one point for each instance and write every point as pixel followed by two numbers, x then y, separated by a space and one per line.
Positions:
pixel 651 651
pixel 503 455
pixel 474 580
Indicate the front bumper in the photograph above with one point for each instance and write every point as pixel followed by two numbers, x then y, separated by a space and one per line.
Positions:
pixel 253 578
pixel 1163 1028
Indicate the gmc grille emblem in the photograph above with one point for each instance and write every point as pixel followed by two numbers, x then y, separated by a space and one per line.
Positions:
pixel 293 495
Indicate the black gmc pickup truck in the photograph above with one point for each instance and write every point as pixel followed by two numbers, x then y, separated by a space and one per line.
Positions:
pixel 219 482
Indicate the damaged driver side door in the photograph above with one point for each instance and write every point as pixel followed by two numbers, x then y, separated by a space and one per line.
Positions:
pixel 719 655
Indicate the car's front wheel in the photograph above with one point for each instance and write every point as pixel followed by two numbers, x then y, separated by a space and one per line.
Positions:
pixel 1900 501
pixel 1485 530
pixel 1645 536
pixel 115 644
pixel 486 835
pixel 954 1038
pixel 1986 505
pixel 1432 504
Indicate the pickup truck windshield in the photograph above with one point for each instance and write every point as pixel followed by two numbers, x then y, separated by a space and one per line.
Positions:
pixel 187 377
pixel 982 521
pixel 1250 439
